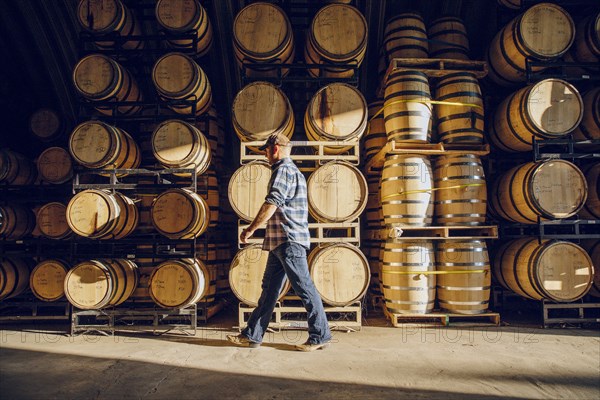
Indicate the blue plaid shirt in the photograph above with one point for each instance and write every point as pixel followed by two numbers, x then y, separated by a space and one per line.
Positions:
pixel 287 190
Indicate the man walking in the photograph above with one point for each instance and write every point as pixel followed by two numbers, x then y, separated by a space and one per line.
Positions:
pixel 287 239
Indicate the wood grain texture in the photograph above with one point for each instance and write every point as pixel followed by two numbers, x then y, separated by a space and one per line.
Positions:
pixel 52 221
pixel 47 280
pixel 55 165
pixel 248 188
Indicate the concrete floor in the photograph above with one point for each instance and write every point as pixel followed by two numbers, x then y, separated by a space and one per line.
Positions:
pixel 379 362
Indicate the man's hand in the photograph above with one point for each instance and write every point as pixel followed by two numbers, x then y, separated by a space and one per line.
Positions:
pixel 246 233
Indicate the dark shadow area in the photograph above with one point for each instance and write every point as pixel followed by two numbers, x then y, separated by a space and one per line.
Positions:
pixel 39 375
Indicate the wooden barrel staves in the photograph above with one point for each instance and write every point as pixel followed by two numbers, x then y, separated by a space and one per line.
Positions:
pixel 463 121
pixel 209 125
pixel 337 192
pixel 107 18
pixel 16 169
pixel 593 250
pixel 406 190
pixel 180 214
pixel 46 125
pixel 250 122
pixel 16 222
pixel 52 221
pixel 97 284
pixel 102 80
pixel 406 277
pixel 248 188
pixel 47 280
pixel 208 185
pixel 544 32
pixel 549 109
pixel 340 272
pixel 553 270
pixel 407 109
pixel 337 37
pixel 586 48
pixel 95 144
pixel 100 214
pixel 246 273
pixel 178 144
pixel 55 166
pixel 14 276
pixel 376 137
pixel 591 208
pixel 373 211
pixel 589 128
pixel 262 34
pixel 461 190
pixel 448 39
pixel 405 36
pixel 179 283
pixel 336 112
pixel 185 17
pixel 553 189
pixel 464 283
pixel 181 82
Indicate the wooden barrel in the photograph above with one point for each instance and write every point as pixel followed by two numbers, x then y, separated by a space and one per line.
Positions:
pixel 207 254
pixel 406 190
pixel 16 221
pixel 553 270
pixel 406 276
pixel 110 19
pixel 99 78
pixel 544 32
pixel 405 36
pixel 247 116
pixel 208 124
pixel 463 286
pixel 337 192
pixel 182 84
pixel 375 138
pixel 14 276
pixel 248 188
pixel 185 17
pixel 52 221
pixel 55 166
pixel 512 4
pixel 459 123
pixel 208 187
pixel 591 208
pixel 593 249
pixel 336 112
pixel 407 110
pixel 262 34
pixel 461 190
pixel 246 274
pixel 100 214
pixel 180 214
pixel 549 109
pixel 373 211
pixel 179 283
pixel 337 37
pixel 97 284
pixel 589 128
pixel 95 144
pixel 46 125
pixel 448 39
pixel 47 280
pixel 16 169
pixel 178 144
pixel 586 48
pixel 552 189
pixel 340 273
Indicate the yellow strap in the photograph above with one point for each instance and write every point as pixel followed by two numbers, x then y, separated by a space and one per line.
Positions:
pixel 466 271
pixel 446 103
pixel 430 190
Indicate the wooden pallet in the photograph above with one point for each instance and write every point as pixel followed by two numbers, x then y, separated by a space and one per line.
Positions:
pixel 291 315
pixel 555 313
pixel 444 319
pixel 376 162
pixel 436 232
pixel 34 310
pixel 320 232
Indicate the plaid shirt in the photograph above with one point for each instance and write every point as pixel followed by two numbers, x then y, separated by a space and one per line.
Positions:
pixel 287 190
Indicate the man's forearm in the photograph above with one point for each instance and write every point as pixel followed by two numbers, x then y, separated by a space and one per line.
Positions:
pixel 264 214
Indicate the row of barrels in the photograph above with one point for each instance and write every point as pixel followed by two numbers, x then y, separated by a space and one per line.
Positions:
pixel 263 34
pixel 336 112
pixel 101 283
pixel 339 271
pixel 107 19
pixel 414 274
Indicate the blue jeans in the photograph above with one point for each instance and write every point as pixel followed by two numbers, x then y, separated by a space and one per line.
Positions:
pixel 288 259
